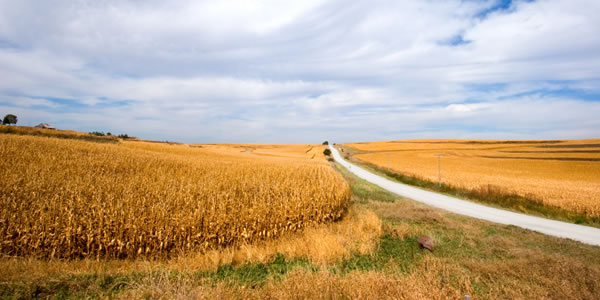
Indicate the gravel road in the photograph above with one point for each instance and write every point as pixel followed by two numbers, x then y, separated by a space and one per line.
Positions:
pixel 585 234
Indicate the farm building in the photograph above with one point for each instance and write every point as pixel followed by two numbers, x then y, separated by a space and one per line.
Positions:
pixel 44 126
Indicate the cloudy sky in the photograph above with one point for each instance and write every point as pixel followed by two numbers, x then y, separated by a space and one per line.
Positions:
pixel 304 71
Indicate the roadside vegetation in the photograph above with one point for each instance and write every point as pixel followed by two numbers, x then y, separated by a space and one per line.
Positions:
pixel 489 194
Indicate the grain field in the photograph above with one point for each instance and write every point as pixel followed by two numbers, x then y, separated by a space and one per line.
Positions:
pixel 564 174
pixel 70 198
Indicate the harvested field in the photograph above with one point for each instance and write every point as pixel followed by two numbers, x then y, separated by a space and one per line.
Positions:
pixel 539 170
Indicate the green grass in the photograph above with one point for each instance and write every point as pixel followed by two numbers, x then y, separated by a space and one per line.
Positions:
pixel 73 286
pixel 393 254
pixel 489 194
pixel 364 191
pixel 256 274
pixel 251 275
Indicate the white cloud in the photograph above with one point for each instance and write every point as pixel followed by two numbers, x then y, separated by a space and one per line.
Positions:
pixel 465 108
pixel 272 71
pixel 30 102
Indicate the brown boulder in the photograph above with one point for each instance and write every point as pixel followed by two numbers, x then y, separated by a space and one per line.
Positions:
pixel 425 242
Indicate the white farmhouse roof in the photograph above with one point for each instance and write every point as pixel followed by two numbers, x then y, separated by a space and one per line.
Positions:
pixel 44 125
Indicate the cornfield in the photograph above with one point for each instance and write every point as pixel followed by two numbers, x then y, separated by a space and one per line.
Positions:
pixel 71 199
pixel 565 174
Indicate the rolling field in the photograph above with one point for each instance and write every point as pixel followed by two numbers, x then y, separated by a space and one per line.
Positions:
pixel 57 133
pixel 564 174
pixel 253 150
pixel 70 198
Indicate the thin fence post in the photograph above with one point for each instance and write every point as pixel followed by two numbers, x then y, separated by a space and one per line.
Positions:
pixel 439 169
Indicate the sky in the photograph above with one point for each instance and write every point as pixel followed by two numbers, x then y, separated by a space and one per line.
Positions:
pixel 248 71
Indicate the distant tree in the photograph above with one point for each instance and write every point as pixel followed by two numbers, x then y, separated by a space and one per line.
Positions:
pixel 10 119
pixel 97 133
pixel 327 152
pixel 123 136
pixel 325 143
pixel 108 133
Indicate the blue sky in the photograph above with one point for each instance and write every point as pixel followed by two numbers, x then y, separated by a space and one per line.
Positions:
pixel 304 71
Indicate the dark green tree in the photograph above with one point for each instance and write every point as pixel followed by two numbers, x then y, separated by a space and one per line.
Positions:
pixel 325 143
pixel 10 119
pixel 97 133
pixel 327 152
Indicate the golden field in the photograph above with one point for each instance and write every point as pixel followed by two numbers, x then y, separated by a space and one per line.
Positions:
pixel 290 151
pixel 57 133
pixel 70 198
pixel 565 174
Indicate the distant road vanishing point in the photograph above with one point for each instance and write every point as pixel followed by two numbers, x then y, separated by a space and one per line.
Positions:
pixel 584 234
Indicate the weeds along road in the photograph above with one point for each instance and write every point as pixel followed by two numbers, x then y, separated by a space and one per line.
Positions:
pixel 585 234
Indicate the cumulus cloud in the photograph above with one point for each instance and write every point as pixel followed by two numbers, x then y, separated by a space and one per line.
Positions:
pixel 272 71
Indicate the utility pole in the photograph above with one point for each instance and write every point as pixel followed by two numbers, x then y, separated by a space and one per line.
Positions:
pixel 439 169
pixel 389 161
